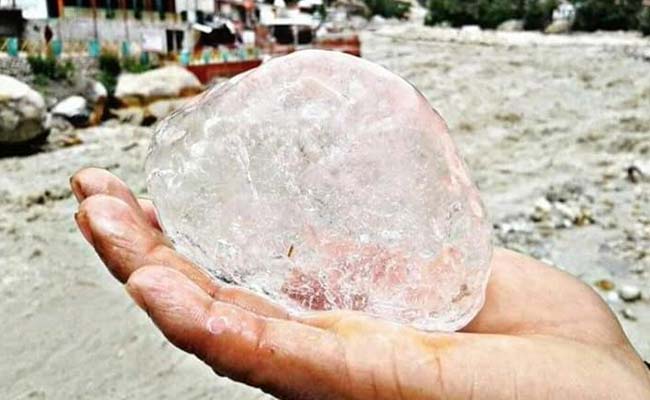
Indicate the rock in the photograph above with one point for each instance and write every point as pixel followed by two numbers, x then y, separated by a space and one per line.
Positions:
pixel 612 298
pixel 605 284
pixel 542 210
pixel 511 25
pixel 95 91
pixel 377 20
pixel 470 30
pixel 543 205
pixel 149 114
pixel 627 313
pixel 74 109
pixel 559 26
pixel 629 293
pixel 638 172
pixel 22 112
pixel 162 83
pixel 570 213
pixel 162 108
pixel 323 193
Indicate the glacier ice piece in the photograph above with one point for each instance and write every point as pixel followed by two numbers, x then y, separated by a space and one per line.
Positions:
pixel 323 182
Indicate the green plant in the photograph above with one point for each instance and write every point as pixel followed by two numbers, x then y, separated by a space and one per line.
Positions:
pixel 49 68
pixel 109 70
pixel 486 13
pixel 491 13
pixel 593 15
pixel 644 21
pixel 538 13
pixel 135 66
pixel 455 12
pixel 388 8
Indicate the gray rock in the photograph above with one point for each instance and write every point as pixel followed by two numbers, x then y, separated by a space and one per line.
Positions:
pixel 74 109
pixel 95 91
pixel 377 20
pixel 629 314
pixel 167 82
pixel 22 112
pixel 560 26
pixel 162 108
pixel 629 293
pixel 511 25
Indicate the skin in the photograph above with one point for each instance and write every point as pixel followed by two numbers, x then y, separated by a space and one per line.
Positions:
pixel 542 333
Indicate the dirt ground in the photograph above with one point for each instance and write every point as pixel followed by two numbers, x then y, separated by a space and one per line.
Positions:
pixel 555 131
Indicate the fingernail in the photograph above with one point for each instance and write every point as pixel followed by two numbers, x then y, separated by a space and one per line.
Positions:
pixel 76 189
pixel 81 219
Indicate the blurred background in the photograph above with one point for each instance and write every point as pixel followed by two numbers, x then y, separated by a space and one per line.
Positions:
pixel 548 101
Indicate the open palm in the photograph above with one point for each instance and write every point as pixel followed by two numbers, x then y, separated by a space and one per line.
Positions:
pixel 542 334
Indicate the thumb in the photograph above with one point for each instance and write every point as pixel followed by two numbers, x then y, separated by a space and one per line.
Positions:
pixel 285 358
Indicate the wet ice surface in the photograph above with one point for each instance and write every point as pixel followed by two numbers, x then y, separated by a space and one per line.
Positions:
pixel 324 182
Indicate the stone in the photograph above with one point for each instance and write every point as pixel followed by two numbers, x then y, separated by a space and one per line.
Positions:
pixel 74 109
pixel 605 284
pixel 511 25
pixel 629 314
pixel 23 113
pixel 325 191
pixel 629 293
pixel 559 26
pixel 162 108
pixel 161 83
pixel 95 91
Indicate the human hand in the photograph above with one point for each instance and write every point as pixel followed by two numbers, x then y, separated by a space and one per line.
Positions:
pixel 541 334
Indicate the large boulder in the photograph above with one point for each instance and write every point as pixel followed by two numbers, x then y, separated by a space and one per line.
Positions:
pixel 162 83
pixel 22 112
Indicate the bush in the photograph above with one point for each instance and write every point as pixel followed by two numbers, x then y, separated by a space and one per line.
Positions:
pixel 486 13
pixel 134 66
pixel 491 13
pixel 455 12
pixel 594 15
pixel 109 70
pixel 389 8
pixel 48 68
pixel 538 13
pixel 644 21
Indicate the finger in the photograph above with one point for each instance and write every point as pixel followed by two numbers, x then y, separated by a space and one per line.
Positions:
pixel 125 241
pixel 296 361
pixel 525 296
pixel 350 359
pixel 91 181
pixel 150 212
pixel 282 357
